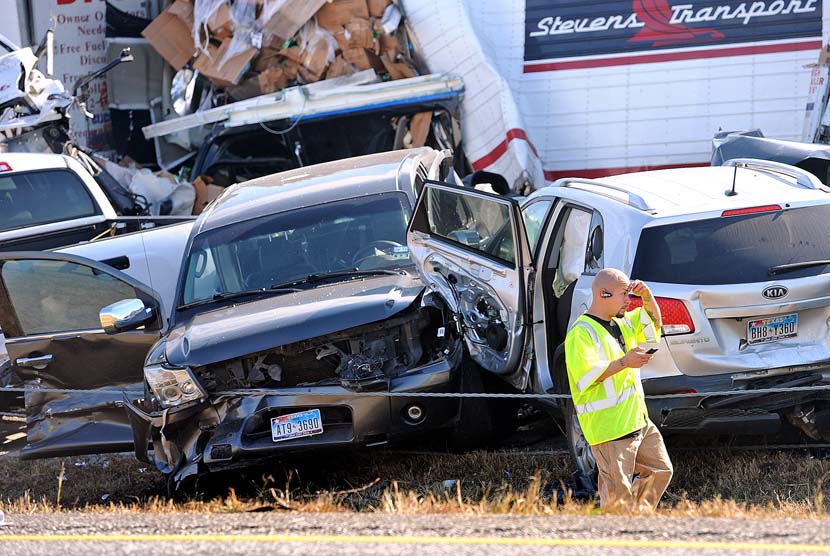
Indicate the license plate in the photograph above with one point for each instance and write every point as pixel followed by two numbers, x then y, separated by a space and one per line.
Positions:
pixel 296 425
pixel 771 329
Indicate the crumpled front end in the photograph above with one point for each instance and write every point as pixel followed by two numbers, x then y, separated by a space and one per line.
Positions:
pixel 344 376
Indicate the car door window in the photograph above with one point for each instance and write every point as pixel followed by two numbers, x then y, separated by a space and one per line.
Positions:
pixel 574 244
pixel 50 296
pixel 33 198
pixel 533 216
pixel 477 223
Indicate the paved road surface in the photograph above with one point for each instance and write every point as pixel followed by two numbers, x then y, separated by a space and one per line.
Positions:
pixel 391 535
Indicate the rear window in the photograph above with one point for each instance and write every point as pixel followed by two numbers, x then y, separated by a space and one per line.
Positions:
pixel 735 249
pixel 32 198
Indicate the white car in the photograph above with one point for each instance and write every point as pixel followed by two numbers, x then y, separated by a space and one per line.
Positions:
pixel 737 256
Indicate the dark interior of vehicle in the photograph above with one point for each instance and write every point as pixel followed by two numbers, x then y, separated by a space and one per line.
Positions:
pixel 558 309
pixel 253 151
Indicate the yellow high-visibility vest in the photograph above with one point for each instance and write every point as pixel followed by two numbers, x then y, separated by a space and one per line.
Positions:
pixel 616 406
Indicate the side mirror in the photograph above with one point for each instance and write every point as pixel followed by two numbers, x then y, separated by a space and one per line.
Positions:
pixel 126 314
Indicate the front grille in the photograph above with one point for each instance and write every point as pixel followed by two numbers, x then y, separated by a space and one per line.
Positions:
pixel 691 418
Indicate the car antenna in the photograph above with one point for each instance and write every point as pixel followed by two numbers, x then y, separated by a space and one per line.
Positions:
pixel 732 192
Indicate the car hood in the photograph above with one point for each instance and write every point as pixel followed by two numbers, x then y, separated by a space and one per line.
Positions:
pixel 245 328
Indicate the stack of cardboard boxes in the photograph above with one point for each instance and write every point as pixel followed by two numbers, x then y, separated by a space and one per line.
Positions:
pixel 253 47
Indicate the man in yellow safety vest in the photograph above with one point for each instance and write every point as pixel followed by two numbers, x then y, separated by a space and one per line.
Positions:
pixel 604 356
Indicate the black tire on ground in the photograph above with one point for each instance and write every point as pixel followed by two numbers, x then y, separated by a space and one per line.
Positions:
pixel 504 412
pixel 579 448
pixel 475 426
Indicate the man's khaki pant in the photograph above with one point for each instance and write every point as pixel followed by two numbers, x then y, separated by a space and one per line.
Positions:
pixel 633 472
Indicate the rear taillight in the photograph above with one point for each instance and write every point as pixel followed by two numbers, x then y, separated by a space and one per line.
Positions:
pixel 676 318
pixel 751 210
pixel 4 167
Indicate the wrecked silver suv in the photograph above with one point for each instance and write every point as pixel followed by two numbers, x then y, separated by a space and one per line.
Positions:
pixel 296 292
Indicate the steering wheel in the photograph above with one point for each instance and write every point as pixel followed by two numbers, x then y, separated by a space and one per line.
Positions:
pixel 366 251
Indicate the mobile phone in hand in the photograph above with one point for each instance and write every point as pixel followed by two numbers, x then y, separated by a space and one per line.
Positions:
pixel 651 351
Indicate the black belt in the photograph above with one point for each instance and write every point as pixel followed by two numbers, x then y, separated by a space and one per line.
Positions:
pixel 632 434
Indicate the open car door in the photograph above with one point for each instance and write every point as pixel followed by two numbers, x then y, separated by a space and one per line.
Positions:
pixel 75 373
pixel 471 249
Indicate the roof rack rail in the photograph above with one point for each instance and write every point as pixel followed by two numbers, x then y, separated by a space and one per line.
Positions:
pixel 803 178
pixel 601 188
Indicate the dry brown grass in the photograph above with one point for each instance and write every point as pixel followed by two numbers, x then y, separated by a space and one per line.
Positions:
pixel 711 483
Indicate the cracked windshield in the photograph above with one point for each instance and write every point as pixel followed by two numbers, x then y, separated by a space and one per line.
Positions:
pixel 361 234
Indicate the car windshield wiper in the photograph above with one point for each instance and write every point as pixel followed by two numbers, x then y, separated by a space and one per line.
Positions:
pixel 232 295
pixel 349 273
pixel 780 269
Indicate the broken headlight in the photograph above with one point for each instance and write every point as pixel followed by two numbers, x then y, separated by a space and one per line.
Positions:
pixel 171 385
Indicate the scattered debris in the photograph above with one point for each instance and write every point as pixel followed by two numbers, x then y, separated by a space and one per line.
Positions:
pixel 250 49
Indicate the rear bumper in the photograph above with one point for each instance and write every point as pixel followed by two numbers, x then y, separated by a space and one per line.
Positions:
pixel 234 430
pixel 742 413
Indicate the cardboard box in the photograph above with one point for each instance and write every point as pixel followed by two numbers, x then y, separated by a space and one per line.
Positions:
pixel 359 34
pixel 272 79
pixel 315 53
pixel 342 39
pixel 288 17
pixel 183 9
pixel 205 59
pixel 397 70
pixel 389 45
pixel 419 128
pixel 224 72
pixel 220 22
pixel 205 193
pixel 307 76
pixel 292 53
pixel 358 57
pixel 268 57
pixel 290 67
pixel 338 13
pixel 377 7
pixel 170 35
pixel 339 67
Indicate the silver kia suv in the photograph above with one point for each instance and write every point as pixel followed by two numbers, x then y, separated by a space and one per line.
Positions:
pixel 738 257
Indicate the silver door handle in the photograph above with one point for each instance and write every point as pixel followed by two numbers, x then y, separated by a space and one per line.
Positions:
pixel 35 362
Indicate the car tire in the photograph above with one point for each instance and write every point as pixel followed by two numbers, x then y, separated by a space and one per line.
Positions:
pixel 504 412
pixel 474 429
pixel 578 447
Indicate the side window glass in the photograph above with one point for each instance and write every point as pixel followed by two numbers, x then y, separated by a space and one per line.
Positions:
pixel 596 246
pixel 202 278
pixel 34 198
pixel 478 223
pixel 59 296
pixel 534 216
pixel 572 249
